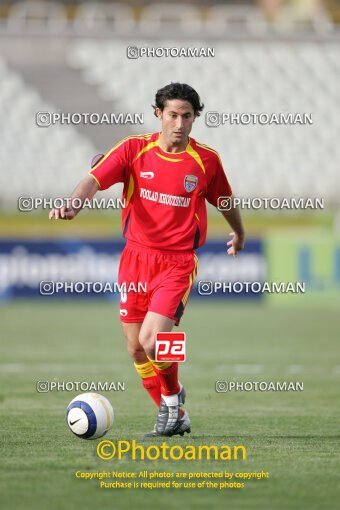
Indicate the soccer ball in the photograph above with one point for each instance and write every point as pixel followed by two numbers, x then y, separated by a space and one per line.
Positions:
pixel 89 415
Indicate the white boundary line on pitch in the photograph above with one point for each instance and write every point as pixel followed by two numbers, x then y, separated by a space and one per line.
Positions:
pixel 270 368
pixel 235 368
pixel 56 367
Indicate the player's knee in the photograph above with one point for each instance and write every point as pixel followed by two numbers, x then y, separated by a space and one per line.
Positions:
pixel 137 353
pixel 147 341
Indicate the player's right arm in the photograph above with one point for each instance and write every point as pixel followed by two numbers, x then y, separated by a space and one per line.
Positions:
pixel 86 189
pixel 106 171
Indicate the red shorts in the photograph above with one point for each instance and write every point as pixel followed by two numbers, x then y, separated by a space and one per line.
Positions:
pixel 168 278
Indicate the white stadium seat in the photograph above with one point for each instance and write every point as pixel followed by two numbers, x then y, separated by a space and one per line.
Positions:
pixel 117 17
pixel 37 14
pixel 223 18
pixel 158 17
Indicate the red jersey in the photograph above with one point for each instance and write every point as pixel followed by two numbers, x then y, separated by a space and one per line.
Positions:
pixel 164 192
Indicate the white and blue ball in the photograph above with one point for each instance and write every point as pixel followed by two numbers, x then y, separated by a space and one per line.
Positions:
pixel 89 415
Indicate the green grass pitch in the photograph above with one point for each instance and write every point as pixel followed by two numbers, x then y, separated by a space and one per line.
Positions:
pixel 293 435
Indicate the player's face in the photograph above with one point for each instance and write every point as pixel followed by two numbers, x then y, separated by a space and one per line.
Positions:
pixel 177 118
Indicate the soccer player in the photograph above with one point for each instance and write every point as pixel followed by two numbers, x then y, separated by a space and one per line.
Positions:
pixel 167 176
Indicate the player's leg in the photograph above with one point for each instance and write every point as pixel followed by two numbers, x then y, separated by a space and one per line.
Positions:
pixel 133 307
pixel 171 286
pixel 172 418
pixel 167 371
pixel 131 332
pixel 173 282
pixel 142 364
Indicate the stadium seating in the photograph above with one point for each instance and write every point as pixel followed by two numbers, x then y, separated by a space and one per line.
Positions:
pixel 253 71
pixel 250 77
pixel 37 15
pixel 223 18
pixel 117 17
pixel 43 161
pixel 174 16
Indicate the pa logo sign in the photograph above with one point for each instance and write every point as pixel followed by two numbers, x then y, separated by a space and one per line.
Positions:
pixel 170 347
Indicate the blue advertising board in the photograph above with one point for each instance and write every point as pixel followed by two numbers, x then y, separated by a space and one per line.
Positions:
pixel 24 264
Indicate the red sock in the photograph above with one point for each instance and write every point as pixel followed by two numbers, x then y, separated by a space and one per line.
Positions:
pixel 150 381
pixel 153 387
pixel 168 376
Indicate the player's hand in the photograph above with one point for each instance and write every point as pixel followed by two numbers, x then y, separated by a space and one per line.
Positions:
pixel 235 244
pixel 62 213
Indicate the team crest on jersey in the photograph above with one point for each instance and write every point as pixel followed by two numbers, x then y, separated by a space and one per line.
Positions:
pixel 190 182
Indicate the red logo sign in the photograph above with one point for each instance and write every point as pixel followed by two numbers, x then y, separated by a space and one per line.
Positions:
pixel 170 347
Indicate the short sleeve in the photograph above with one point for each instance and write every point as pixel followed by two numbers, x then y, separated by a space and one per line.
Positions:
pixel 218 185
pixel 113 167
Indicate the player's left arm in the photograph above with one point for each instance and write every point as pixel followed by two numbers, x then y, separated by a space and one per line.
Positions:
pixel 218 190
pixel 233 217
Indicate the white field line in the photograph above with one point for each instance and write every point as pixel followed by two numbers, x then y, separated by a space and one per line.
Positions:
pixel 236 368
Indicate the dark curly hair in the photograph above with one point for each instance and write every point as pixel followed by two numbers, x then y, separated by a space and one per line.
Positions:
pixel 178 91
